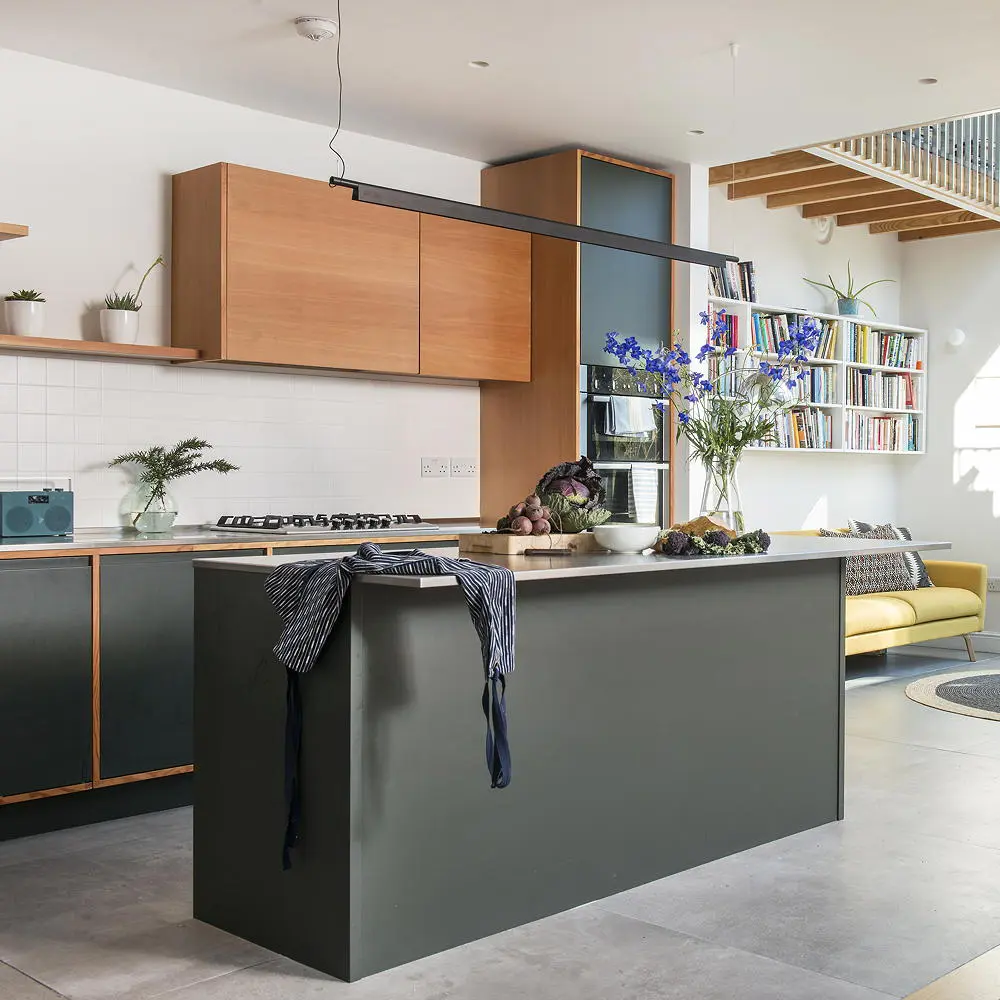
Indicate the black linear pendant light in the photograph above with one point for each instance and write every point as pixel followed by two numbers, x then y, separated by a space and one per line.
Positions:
pixel 371 194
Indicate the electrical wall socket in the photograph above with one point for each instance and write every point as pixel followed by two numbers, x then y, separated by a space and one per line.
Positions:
pixel 434 467
pixel 465 467
pixel 993 584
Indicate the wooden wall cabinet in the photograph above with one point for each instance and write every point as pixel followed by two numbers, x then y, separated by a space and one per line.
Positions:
pixel 475 301
pixel 279 270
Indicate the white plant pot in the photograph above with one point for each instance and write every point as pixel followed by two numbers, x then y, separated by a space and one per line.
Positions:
pixel 119 326
pixel 24 318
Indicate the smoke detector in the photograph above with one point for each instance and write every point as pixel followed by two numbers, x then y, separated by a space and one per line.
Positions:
pixel 316 29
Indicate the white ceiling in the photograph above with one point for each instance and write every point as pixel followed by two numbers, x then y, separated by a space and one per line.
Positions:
pixel 626 76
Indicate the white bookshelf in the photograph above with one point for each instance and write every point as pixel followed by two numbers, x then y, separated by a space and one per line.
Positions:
pixel 844 408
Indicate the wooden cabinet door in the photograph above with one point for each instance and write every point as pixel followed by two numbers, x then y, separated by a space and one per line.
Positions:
pixel 314 278
pixel 475 301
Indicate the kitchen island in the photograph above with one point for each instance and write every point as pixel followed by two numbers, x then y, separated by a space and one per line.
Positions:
pixel 663 713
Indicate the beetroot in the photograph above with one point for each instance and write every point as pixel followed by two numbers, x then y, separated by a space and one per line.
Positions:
pixel 540 527
pixel 534 513
pixel 521 526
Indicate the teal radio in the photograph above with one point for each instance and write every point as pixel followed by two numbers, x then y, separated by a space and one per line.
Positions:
pixel 39 514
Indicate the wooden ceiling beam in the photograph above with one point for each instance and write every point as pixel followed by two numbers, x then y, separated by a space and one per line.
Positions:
pixel 982 226
pixel 900 196
pixel 945 219
pixel 920 209
pixel 797 181
pixel 830 192
pixel 764 166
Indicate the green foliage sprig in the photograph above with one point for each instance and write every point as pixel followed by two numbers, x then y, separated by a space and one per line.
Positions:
pixel 25 295
pixel 129 301
pixel 850 292
pixel 160 466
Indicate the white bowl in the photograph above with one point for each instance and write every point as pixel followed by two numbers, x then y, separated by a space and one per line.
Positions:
pixel 626 538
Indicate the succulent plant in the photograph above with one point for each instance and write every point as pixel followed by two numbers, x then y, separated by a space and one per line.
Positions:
pixel 129 301
pixel 25 295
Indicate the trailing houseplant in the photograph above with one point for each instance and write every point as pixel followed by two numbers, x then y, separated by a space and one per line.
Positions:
pixel 719 426
pixel 24 311
pixel 120 315
pixel 151 507
pixel 849 297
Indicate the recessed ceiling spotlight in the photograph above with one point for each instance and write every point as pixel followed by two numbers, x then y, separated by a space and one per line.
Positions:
pixel 928 81
pixel 696 131
pixel 478 64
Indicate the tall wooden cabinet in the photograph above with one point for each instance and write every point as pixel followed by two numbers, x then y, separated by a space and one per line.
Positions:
pixel 578 293
pixel 273 269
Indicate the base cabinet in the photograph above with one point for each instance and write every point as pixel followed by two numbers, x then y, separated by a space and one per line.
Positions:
pixel 147 653
pixel 45 674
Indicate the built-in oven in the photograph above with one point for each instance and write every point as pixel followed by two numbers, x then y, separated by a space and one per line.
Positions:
pixel 624 431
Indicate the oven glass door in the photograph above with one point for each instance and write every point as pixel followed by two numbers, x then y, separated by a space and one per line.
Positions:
pixel 637 491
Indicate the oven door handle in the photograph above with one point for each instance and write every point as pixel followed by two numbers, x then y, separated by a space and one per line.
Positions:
pixel 631 465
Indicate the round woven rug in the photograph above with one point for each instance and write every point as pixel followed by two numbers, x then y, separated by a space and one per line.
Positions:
pixel 965 692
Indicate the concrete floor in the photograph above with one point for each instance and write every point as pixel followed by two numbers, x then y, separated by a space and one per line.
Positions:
pixel 904 890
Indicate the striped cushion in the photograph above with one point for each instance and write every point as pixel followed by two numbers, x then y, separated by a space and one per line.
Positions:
pixel 917 568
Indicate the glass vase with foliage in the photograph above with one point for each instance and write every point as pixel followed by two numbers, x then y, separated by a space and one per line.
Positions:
pixel 725 400
pixel 151 507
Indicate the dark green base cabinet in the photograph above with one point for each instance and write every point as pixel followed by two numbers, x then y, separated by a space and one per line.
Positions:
pixel 147 654
pixel 45 674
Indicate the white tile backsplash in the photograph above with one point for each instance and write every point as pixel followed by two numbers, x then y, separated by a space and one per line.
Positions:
pixel 304 442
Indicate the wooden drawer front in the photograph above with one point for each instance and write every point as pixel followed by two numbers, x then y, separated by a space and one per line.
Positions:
pixel 317 279
pixel 475 301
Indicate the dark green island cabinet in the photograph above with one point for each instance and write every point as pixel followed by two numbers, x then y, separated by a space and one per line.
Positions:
pixel 45 674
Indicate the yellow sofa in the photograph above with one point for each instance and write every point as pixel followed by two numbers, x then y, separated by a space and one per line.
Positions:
pixel 955 605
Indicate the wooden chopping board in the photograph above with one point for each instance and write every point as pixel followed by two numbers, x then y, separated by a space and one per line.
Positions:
pixel 512 545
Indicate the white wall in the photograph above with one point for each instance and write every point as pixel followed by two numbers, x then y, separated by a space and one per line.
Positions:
pixel 788 490
pixel 86 163
pixel 953 491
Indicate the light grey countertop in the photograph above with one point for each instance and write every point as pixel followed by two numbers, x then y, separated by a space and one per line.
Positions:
pixel 184 536
pixel 784 548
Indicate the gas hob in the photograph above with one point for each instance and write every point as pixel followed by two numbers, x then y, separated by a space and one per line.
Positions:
pixel 318 524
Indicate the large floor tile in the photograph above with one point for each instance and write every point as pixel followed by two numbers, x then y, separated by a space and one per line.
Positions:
pixel 139 964
pixel 16 986
pixel 882 711
pixel 884 910
pixel 901 788
pixel 581 955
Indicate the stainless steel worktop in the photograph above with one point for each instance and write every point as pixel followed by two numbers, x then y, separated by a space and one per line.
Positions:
pixel 784 548
pixel 188 536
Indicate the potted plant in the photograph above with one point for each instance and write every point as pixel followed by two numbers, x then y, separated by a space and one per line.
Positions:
pixel 848 298
pixel 150 508
pixel 25 313
pixel 120 315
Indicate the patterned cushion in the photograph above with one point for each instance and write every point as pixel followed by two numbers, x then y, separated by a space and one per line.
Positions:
pixel 917 567
pixel 875 574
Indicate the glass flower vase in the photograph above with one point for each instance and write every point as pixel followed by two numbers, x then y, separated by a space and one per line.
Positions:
pixel 720 498
pixel 147 512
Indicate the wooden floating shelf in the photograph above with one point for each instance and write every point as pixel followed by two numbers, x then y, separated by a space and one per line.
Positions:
pixel 11 231
pixel 95 348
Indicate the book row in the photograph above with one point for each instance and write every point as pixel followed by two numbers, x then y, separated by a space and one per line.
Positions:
pixel 865 432
pixel 769 329
pixel 882 389
pixel 802 429
pixel 734 281
pixel 871 347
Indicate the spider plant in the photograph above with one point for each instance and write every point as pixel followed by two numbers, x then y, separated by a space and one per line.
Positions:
pixel 129 301
pixel 850 293
pixel 25 295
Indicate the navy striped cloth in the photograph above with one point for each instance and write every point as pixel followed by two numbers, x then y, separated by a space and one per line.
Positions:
pixel 308 597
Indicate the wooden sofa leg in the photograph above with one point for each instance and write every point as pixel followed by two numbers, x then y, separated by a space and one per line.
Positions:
pixel 969 648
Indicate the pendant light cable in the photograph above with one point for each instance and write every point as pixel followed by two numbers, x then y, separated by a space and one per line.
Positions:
pixel 339 175
pixel 734 51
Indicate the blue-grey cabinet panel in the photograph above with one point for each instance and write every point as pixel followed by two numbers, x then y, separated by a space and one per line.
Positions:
pixel 147 660
pixel 623 291
pixel 45 674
